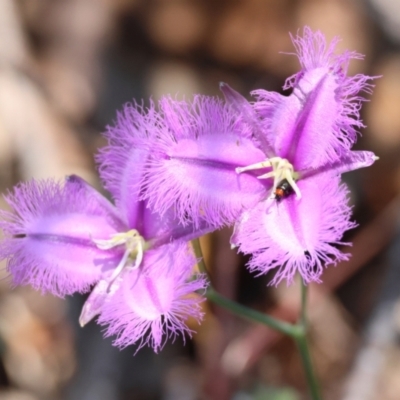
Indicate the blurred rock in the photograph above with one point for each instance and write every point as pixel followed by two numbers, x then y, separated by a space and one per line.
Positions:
pixel 383 116
pixel 36 357
pixel 43 142
pixel 70 88
pixel 176 26
pixel 182 382
pixel 346 19
pixel 13 47
pixel 17 395
pixel 173 78
pixel 388 386
pixel 252 33
pixel 73 34
pixel 387 13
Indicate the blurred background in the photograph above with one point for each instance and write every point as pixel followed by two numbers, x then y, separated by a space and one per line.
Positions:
pixel 66 66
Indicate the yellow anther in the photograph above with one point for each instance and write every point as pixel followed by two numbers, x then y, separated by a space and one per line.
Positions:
pixel 131 239
pixel 135 245
pixel 281 169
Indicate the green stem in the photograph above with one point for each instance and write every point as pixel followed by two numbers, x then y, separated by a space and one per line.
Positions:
pixel 297 332
pixel 301 341
pixel 303 304
pixel 248 313
pixel 238 309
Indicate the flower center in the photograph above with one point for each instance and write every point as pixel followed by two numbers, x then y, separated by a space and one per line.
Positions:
pixel 135 246
pixel 282 170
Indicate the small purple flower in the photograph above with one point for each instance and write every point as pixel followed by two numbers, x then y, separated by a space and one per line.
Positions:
pixel 271 168
pixel 63 238
pixel 308 138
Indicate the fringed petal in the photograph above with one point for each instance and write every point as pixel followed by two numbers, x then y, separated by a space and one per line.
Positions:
pixel 348 161
pixel 49 238
pixel 122 162
pixel 154 301
pixel 193 161
pixel 297 235
pixel 319 120
pixel 194 178
pixel 249 116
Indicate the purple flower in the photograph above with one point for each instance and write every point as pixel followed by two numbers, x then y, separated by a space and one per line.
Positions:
pixel 63 238
pixel 308 139
pixel 272 168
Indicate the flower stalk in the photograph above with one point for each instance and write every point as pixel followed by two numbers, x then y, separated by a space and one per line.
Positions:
pixel 298 331
pixel 252 315
pixel 302 344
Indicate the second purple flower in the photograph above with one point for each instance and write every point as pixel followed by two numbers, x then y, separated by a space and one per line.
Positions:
pixel 271 168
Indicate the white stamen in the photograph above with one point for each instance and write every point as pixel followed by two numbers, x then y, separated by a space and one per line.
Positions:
pixel 262 164
pixel 134 250
pixel 120 266
pixel 281 169
pixel 139 255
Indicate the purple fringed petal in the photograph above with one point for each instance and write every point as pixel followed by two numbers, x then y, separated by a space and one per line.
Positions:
pixel 48 240
pixel 348 161
pixel 154 301
pixel 98 296
pixel 313 52
pixel 122 162
pixel 138 136
pixel 183 233
pixel 245 110
pixel 205 115
pixel 320 118
pixel 193 163
pixel 297 235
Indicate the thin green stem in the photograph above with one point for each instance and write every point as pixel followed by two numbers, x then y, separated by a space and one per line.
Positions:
pixel 303 309
pixel 302 345
pixel 301 341
pixel 253 315
pixel 297 332
pixel 238 309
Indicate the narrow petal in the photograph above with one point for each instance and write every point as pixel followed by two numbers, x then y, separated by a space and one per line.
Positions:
pixel 153 302
pixel 193 163
pixel 243 108
pixel 48 239
pixel 297 235
pixel 122 162
pixel 348 161
pixel 95 302
pixel 181 232
pixel 319 120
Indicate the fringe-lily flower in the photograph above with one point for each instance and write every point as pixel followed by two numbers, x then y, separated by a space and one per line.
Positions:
pixel 64 238
pixel 272 168
pixel 306 138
